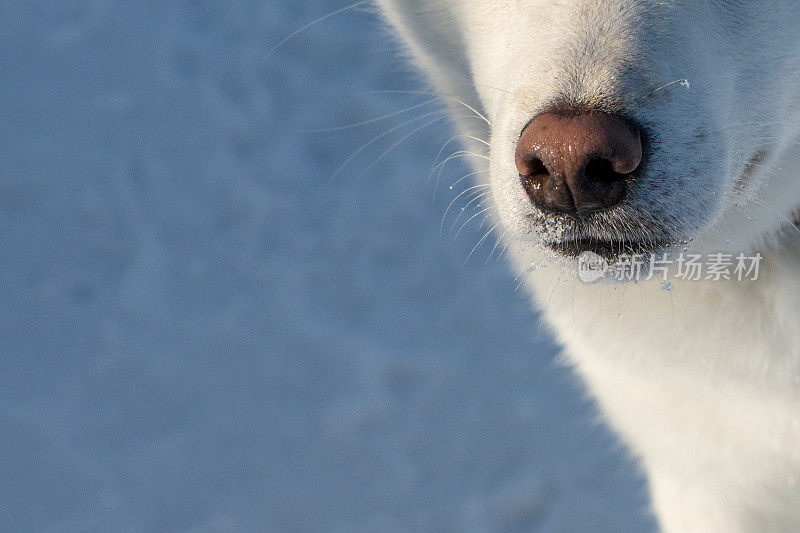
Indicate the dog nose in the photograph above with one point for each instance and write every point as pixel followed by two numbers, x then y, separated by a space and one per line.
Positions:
pixel 577 164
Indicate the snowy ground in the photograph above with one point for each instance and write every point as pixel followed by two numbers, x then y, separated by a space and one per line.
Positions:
pixel 199 333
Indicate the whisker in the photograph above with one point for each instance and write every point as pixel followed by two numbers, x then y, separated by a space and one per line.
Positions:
pixel 462 193
pixel 776 212
pixel 496 244
pixel 396 144
pixel 379 137
pixel 683 81
pixel 370 121
pixel 486 86
pixel 476 198
pixel 479 243
pixel 454 155
pixel 755 199
pixel 313 22
pixel 465 176
pixel 477 113
pixel 468 221
pixel 453 138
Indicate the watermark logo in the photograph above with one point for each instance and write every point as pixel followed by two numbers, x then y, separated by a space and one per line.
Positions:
pixel 684 267
pixel 591 267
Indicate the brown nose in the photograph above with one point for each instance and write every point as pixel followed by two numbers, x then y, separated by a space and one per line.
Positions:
pixel 577 164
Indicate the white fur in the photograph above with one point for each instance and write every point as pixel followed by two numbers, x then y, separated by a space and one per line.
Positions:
pixel 702 382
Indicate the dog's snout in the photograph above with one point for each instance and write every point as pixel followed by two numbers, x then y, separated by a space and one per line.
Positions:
pixel 577 164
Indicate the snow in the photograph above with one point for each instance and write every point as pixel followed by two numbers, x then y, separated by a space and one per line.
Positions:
pixel 200 332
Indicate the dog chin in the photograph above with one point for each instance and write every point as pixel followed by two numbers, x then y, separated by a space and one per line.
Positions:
pixel 609 249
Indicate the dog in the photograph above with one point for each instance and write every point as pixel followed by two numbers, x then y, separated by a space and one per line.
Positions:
pixel 616 134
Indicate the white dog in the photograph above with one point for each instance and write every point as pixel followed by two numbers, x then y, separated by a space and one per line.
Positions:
pixel 635 128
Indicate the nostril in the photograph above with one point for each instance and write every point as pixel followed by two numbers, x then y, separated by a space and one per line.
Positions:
pixel 602 170
pixel 532 167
